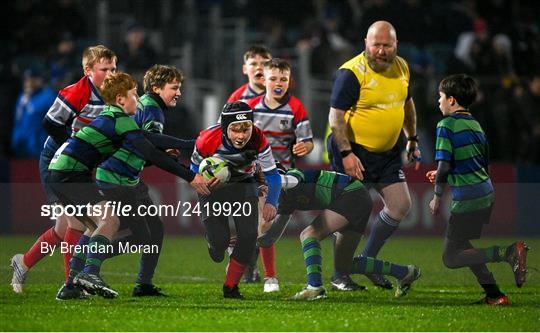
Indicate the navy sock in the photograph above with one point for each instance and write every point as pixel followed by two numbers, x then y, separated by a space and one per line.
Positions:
pixel 383 228
pixel 147 267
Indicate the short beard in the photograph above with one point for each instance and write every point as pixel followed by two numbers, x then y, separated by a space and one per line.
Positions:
pixel 379 68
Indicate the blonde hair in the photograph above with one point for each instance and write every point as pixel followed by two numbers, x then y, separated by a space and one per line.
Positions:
pixel 160 75
pixel 93 54
pixel 115 84
pixel 242 126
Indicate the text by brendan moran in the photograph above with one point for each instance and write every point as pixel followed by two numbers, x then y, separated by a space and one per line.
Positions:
pixel 118 248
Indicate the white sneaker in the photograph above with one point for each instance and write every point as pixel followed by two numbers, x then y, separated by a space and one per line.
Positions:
pixel 19 273
pixel 404 284
pixel 310 293
pixel 271 285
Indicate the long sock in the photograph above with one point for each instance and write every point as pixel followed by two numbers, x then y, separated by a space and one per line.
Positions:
pixel 313 261
pixel 252 264
pixel 336 273
pixel 235 270
pixel 383 228
pixel 368 265
pixel 148 265
pixel 76 264
pixel 482 274
pixel 268 257
pixel 71 238
pixel 492 290
pixel 486 280
pixel 98 248
pixel 38 251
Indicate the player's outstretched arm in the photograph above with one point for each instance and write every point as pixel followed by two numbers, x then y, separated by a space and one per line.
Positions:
pixel 164 141
pixel 163 161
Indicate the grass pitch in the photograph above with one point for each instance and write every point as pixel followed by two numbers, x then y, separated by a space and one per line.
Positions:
pixel 439 301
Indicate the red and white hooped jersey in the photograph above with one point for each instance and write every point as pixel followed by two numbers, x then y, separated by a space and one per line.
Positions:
pixel 241 162
pixel 80 101
pixel 243 94
pixel 282 126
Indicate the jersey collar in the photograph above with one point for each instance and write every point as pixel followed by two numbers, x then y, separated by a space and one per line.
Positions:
pixel 286 99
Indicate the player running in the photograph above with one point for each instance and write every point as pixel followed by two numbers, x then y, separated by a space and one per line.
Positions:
pixel 346 206
pixel 462 156
pixel 239 143
pixel 74 107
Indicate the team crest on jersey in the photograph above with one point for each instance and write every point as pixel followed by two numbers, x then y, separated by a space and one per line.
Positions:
pixel 284 124
pixel 401 174
pixel 361 67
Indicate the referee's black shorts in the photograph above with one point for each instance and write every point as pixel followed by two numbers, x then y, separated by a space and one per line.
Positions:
pixel 381 169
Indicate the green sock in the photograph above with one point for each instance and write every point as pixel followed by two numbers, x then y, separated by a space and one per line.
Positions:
pixel 98 251
pixel 496 253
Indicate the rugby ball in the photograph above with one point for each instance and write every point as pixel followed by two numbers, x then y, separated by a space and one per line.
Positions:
pixel 214 166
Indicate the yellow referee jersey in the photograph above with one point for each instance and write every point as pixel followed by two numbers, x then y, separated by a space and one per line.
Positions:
pixel 376 120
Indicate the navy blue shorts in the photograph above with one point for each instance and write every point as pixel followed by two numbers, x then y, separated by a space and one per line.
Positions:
pixel 45 158
pixel 75 188
pixel 469 225
pixel 381 169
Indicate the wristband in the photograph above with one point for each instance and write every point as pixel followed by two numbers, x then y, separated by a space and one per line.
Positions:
pixel 438 190
pixel 345 153
pixel 413 138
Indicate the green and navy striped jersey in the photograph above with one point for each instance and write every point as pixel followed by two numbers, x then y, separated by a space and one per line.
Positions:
pixel 95 142
pixel 149 114
pixel 462 142
pixel 125 166
pixel 316 190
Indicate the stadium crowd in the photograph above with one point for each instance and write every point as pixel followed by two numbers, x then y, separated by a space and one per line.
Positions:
pixel 496 41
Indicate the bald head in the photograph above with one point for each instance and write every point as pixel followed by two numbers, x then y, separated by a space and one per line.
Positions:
pixel 381 45
pixel 382 27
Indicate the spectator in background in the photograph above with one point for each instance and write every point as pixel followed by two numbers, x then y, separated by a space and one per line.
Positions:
pixel 502 61
pixel 136 53
pixel 525 37
pixel 473 45
pixel 65 64
pixel 329 48
pixel 28 135
pixel 528 105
